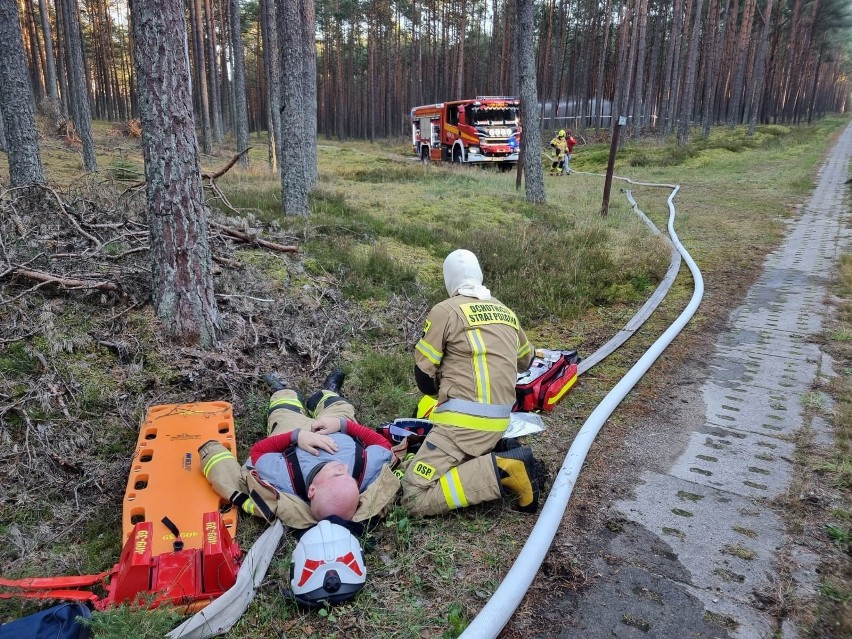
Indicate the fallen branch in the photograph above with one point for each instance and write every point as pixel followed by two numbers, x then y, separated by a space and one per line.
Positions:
pixel 204 176
pixel 245 237
pixel 65 282
pixel 227 167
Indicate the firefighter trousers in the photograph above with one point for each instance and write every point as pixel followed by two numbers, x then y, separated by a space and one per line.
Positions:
pixel 453 469
pixel 288 413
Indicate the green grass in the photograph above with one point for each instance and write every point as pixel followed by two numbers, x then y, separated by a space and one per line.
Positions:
pixel 834 463
pixel 132 622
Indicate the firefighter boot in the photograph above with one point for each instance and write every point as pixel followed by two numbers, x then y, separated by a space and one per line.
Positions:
pixel 273 381
pixel 334 381
pixel 517 471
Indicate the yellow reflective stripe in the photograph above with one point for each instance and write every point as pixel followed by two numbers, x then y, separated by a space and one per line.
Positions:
pixel 552 401
pixel 325 395
pixel 453 491
pixel 215 460
pixel 248 506
pixel 474 422
pixel 524 350
pixel 285 401
pixel 425 405
pixel 480 366
pixel 429 352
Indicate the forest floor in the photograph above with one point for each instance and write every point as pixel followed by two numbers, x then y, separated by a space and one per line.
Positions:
pixel 78 368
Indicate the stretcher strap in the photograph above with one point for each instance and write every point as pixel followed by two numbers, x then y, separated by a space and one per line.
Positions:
pixel 42 583
pixel 65 595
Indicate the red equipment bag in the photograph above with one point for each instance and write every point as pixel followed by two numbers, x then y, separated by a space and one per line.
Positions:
pixel 546 381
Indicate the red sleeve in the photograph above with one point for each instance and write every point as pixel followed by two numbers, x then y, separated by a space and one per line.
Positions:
pixel 274 444
pixel 367 436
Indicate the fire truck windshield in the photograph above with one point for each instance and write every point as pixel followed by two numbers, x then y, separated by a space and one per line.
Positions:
pixel 494 115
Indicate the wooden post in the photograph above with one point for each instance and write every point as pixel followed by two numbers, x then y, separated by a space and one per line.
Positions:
pixel 611 164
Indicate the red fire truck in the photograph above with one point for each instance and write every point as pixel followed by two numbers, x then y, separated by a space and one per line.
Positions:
pixel 484 130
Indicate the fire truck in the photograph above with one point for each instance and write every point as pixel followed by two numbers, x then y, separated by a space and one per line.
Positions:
pixel 484 130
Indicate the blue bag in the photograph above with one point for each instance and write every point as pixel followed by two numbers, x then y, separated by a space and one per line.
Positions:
pixel 59 622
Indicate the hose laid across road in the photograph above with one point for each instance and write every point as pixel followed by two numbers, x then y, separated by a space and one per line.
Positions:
pixel 505 600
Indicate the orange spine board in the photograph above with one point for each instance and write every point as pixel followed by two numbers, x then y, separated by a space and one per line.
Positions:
pixel 166 479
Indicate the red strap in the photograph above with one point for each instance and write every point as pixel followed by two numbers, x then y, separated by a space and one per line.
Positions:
pixel 42 583
pixel 66 595
pixel 53 587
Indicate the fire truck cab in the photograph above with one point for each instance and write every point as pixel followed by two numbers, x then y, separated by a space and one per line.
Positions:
pixel 484 130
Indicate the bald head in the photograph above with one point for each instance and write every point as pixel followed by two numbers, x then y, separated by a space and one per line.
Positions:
pixel 333 492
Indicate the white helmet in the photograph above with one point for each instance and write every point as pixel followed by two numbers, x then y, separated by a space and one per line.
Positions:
pixel 328 565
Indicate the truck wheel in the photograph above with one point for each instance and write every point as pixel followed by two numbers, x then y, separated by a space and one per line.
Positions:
pixel 457 156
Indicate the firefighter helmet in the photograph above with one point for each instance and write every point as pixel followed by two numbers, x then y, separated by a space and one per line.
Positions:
pixel 561 133
pixel 327 566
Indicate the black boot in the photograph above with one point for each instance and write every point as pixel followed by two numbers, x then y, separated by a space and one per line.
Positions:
pixel 334 381
pixel 273 381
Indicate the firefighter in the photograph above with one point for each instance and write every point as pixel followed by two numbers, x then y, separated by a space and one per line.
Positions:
pixel 317 462
pixel 560 147
pixel 466 363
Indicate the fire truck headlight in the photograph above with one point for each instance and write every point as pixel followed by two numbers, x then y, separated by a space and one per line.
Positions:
pixel 473 149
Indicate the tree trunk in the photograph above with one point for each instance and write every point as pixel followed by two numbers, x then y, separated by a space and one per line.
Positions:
pixel 638 110
pixel 459 92
pixel 182 284
pixel 371 79
pixel 759 72
pixel 201 77
pixel 651 93
pixel 309 88
pixel 16 101
pixel 61 59
pixel 224 84
pixel 50 59
pixel 510 25
pixel 340 110
pixel 531 139
pixel 273 84
pixel 712 38
pixel 213 74
pixel 239 69
pixel 673 80
pixel 36 54
pixel 736 96
pixel 620 78
pixel 294 185
pixel 599 84
pixel 629 90
pixel 689 83
pixel 79 95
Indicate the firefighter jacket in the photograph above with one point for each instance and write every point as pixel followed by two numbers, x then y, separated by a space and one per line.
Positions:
pixel 561 146
pixel 473 350
pixel 247 488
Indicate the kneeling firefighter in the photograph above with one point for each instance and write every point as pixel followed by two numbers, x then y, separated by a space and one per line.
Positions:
pixel 467 363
